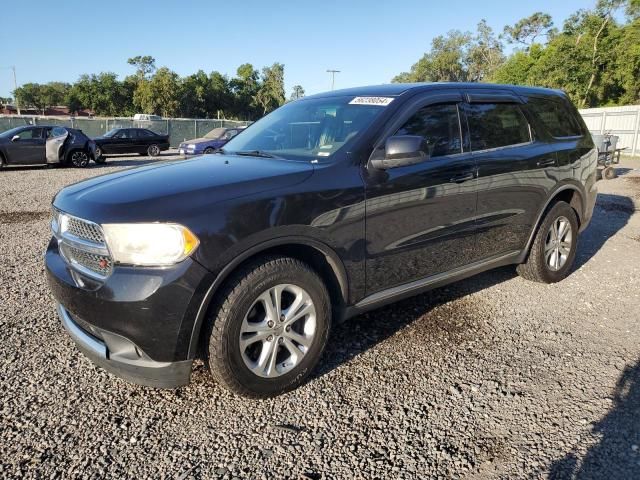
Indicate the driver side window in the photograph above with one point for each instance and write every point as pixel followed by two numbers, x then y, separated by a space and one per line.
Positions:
pixel 439 125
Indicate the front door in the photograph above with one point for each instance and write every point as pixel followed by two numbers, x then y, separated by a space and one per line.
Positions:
pixel 27 147
pixel 420 218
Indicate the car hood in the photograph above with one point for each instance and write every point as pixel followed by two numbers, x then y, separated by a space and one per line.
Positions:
pixel 177 190
pixel 203 140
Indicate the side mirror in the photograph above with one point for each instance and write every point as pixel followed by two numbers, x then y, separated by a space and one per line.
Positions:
pixel 15 138
pixel 402 150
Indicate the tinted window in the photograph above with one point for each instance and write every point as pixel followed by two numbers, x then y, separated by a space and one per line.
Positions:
pixel 556 116
pixel 145 133
pixel 439 126
pixel 493 125
pixel 30 134
pixel 57 132
pixel 122 134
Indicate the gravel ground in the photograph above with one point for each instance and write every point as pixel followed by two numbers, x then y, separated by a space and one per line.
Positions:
pixel 493 377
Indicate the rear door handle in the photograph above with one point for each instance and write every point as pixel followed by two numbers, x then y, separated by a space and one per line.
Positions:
pixel 547 162
pixel 462 178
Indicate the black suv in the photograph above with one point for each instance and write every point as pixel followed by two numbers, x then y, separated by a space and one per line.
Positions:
pixel 328 207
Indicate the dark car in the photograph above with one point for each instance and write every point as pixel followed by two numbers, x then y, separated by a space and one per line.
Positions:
pixel 131 140
pixel 326 208
pixel 45 145
pixel 211 142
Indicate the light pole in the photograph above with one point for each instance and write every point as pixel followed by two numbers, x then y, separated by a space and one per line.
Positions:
pixel 15 87
pixel 333 77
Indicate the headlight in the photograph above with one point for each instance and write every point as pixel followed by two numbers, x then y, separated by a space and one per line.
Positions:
pixel 149 244
pixel 191 145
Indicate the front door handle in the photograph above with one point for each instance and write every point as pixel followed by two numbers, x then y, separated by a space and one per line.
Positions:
pixel 547 162
pixel 462 178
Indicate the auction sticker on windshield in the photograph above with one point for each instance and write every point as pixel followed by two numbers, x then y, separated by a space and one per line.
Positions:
pixel 380 101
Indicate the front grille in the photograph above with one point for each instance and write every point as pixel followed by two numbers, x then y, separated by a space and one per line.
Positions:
pixel 100 264
pixel 85 230
pixel 82 245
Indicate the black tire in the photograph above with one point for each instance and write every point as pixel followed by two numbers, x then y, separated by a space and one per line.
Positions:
pixel 100 160
pixel 609 173
pixel 78 158
pixel 153 150
pixel 209 150
pixel 222 334
pixel 537 267
pixel 3 163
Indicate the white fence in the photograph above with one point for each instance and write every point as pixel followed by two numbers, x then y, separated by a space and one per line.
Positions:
pixel 621 121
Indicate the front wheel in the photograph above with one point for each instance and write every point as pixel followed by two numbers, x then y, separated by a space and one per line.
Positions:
pixel 153 150
pixel 79 159
pixel 554 246
pixel 209 150
pixel 269 329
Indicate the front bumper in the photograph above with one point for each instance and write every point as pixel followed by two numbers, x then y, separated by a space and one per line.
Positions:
pixel 138 323
pixel 122 358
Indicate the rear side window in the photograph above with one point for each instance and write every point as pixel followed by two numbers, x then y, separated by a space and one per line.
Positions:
pixel 144 133
pixel 556 116
pixel 440 127
pixel 493 125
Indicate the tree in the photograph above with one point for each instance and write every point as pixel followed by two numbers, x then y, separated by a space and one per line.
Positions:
pixel 245 88
pixel 526 30
pixel 297 92
pixel 31 95
pixel 271 92
pixel 102 93
pixel 484 55
pixel 145 65
pixel 161 94
pixel 445 62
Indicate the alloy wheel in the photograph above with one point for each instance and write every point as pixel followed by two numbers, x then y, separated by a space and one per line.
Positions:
pixel 558 243
pixel 278 330
pixel 153 150
pixel 79 159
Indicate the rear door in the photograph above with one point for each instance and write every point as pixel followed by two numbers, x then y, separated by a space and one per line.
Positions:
pixel 515 169
pixel 55 144
pixel 28 147
pixel 420 218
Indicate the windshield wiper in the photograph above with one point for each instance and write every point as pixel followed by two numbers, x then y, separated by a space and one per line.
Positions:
pixel 254 153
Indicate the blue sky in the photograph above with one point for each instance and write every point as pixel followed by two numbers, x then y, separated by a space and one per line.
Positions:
pixel 369 42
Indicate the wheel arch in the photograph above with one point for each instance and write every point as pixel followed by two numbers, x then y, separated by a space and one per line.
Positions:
pixel 318 255
pixel 568 193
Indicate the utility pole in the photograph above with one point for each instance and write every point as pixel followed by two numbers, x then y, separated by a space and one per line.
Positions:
pixel 333 77
pixel 15 87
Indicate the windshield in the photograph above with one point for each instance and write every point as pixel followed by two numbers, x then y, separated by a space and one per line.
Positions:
pixel 216 133
pixel 111 132
pixel 11 133
pixel 305 129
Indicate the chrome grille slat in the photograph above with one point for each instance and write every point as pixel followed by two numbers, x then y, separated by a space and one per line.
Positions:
pixel 85 230
pixel 82 245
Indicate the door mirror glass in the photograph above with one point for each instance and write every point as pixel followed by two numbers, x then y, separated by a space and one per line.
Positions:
pixel 402 150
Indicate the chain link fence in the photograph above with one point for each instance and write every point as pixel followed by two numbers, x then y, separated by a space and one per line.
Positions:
pixel 178 129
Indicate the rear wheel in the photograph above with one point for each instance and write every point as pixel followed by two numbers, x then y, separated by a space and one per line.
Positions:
pixel 3 163
pixel 79 159
pixel 554 247
pixel 269 329
pixel 153 150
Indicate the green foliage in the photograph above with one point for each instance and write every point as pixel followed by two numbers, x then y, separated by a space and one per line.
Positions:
pixel 458 57
pixel 42 96
pixel 526 31
pixel 297 92
pixel 271 92
pixel 594 58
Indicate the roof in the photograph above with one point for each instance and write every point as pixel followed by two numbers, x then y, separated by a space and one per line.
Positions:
pixel 397 89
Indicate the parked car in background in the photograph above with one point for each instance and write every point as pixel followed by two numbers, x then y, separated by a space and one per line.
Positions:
pixel 46 144
pixel 328 207
pixel 131 140
pixel 145 117
pixel 211 142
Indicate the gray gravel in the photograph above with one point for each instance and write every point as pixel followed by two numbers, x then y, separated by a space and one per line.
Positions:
pixel 493 377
